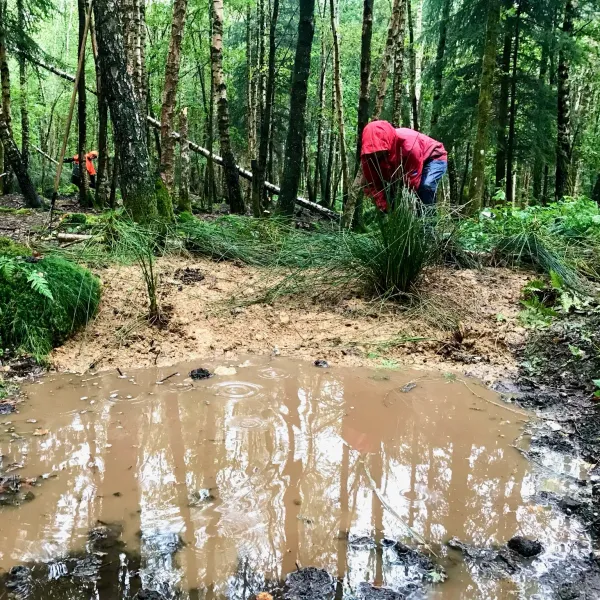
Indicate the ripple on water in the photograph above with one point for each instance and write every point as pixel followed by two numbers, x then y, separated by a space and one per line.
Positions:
pixel 247 422
pixel 236 389
pixel 272 373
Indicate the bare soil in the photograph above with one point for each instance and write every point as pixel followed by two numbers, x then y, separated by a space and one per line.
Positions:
pixel 462 319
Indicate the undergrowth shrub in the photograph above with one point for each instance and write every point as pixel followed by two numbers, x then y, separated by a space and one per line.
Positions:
pixel 42 302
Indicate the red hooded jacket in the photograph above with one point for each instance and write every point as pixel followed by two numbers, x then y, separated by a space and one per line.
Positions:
pixel 406 151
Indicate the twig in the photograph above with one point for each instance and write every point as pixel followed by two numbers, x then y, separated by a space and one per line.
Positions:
pixel 167 378
pixel 513 410
pixel 386 505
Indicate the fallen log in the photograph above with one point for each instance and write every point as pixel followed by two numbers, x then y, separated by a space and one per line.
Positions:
pixel 73 237
pixel 272 188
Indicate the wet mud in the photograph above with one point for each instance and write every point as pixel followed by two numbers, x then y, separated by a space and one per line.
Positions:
pixel 281 477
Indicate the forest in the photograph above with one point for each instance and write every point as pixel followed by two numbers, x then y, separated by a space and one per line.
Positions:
pixel 300 299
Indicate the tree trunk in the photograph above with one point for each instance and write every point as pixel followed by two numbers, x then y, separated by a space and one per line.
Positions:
pixel 297 115
pixel 510 153
pixel 563 121
pixel 13 157
pixel 399 66
pixel 386 59
pixel 453 179
pixel 477 187
pixel 438 69
pixel 23 91
pixel 139 50
pixel 339 101
pixel 169 99
pixel 353 206
pixel 320 116
pixel 184 203
pixel 137 185
pixel 236 200
pixel 5 100
pixel 114 181
pixel 412 60
pixel 102 183
pixel 538 169
pixel 251 88
pixel 259 198
pixel 465 174
pixel 84 181
pixel 503 108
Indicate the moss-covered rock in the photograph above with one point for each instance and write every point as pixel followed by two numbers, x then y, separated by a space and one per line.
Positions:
pixel 42 303
pixel 9 247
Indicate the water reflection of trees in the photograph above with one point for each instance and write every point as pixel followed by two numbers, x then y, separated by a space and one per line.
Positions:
pixel 293 490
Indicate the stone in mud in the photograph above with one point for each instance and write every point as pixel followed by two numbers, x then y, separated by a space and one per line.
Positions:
pixel 322 364
pixel 309 584
pixel 525 547
pixel 200 374
pixel 418 566
pixel 488 562
pixel 150 595
pixel 370 592
pixel 6 408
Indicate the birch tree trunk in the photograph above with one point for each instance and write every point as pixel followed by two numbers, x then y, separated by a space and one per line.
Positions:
pixel 321 111
pixel 5 99
pixel 563 121
pixel 412 60
pixel 503 108
pixel 510 152
pixel 399 65
pixel 339 101
pixel 169 99
pixel 129 124
pixel 23 91
pixel 477 187
pixel 386 59
pixel 184 203
pixel 297 115
pixel 236 200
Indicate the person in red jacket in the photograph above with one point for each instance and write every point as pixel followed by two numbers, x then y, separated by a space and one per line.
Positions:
pixel 390 156
pixel 89 165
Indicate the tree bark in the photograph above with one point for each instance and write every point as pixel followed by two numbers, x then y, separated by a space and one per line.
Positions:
pixel 169 98
pixel 5 99
pixel 386 59
pixel 399 66
pixel 438 70
pixel 538 168
pixel 477 187
pixel 184 203
pixel 297 115
pixel 563 121
pixel 412 62
pixel 236 200
pixel 23 91
pixel 510 153
pixel 503 108
pixel 84 181
pixel 137 185
pixel 320 116
pixel 339 101
pixel 251 88
pixel 102 183
pixel 15 160
pixel 259 197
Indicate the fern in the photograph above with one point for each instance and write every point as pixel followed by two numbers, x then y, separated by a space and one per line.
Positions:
pixel 38 282
pixel 8 265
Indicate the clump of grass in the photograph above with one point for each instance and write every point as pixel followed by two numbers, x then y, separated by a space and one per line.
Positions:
pixel 9 247
pixel 43 302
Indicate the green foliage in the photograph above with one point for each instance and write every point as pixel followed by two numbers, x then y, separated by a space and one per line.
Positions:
pixel 563 237
pixel 9 247
pixel 43 302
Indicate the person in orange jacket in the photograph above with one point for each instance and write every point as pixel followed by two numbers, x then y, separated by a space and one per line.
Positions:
pixel 89 165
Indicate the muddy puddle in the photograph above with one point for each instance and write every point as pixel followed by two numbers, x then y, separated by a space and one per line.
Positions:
pixel 220 488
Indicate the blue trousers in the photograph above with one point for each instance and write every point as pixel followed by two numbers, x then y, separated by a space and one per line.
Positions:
pixel 433 171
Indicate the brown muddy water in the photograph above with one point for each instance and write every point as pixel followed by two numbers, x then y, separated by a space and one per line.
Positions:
pixel 224 485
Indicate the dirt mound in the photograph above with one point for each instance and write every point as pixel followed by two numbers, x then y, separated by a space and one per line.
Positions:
pixel 466 317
